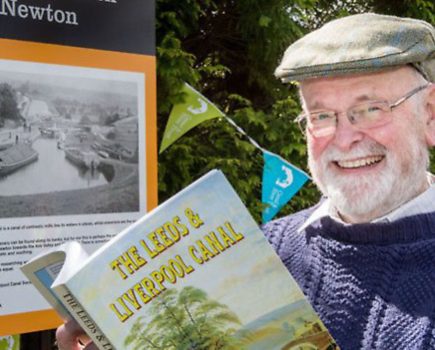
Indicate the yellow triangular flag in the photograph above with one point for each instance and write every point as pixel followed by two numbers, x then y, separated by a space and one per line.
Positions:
pixel 184 116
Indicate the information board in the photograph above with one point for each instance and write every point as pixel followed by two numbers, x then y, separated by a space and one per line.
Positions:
pixel 78 157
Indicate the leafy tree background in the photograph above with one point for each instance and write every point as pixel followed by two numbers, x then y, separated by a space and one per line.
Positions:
pixel 228 50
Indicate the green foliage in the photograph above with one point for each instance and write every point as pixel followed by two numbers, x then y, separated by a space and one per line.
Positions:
pixel 186 320
pixel 228 50
pixel 421 9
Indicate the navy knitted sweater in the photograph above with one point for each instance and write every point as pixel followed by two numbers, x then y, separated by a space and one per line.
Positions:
pixel 373 285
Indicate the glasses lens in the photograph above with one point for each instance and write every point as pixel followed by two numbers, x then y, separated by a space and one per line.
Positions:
pixel 370 114
pixel 322 124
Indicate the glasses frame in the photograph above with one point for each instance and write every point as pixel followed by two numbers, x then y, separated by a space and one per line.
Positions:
pixel 304 116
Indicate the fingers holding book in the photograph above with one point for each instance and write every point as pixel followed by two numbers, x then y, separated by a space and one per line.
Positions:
pixel 70 336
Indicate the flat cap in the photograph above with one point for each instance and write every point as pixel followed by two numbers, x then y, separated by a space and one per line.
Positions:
pixel 360 43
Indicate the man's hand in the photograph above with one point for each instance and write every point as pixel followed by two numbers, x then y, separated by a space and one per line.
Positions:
pixel 70 336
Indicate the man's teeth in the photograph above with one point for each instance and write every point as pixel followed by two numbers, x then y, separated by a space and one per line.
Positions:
pixel 359 162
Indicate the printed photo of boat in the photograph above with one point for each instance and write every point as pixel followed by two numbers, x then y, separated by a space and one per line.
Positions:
pixel 70 141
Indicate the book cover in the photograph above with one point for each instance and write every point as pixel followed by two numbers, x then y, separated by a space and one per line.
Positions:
pixel 195 273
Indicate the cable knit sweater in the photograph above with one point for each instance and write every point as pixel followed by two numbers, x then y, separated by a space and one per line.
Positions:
pixel 373 285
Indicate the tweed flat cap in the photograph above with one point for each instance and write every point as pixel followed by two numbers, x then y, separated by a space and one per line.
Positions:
pixel 360 43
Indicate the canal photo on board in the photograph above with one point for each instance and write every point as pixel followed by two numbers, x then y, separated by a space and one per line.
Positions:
pixel 71 140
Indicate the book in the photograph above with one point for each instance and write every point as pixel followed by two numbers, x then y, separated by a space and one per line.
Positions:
pixel 194 273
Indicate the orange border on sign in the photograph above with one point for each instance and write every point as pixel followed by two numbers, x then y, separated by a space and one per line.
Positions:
pixel 88 58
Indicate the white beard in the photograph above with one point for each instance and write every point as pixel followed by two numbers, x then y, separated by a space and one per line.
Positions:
pixel 378 193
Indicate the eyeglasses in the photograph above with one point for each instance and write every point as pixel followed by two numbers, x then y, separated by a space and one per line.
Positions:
pixel 370 114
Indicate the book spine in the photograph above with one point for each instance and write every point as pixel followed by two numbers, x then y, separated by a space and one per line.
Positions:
pixel 83 318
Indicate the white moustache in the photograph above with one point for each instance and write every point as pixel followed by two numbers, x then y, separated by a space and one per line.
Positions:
pixel 369 151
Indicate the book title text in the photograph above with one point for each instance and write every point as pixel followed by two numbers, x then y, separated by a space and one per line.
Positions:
pixel 201 251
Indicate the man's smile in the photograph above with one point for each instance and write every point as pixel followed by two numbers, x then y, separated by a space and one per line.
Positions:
pixel 359 162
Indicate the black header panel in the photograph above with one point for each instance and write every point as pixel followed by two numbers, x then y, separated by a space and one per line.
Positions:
pixel 115 25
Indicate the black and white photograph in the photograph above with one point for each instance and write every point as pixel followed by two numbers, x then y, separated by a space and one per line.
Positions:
pixel 70 140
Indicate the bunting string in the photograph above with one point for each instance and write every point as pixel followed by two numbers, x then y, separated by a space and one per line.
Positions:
pixel 256 144
pixel 240 130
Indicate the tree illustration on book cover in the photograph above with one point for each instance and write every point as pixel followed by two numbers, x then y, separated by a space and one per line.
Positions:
pixel 187 320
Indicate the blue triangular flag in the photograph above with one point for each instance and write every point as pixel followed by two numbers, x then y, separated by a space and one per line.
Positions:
pixel 281 181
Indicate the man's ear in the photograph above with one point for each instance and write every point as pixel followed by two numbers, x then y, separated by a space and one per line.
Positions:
pixel 430 109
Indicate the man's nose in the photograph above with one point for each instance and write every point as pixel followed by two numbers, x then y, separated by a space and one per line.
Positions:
pixel 346 134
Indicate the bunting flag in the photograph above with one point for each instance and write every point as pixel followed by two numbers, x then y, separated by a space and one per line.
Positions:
pixel 184 116
pixel 281 181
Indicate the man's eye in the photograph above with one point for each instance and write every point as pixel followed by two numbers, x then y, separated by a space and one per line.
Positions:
pixel 322 116
pixel 373 109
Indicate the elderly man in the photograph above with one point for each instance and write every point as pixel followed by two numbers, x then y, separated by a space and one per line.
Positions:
pixel 364 256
